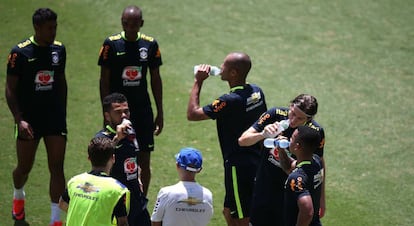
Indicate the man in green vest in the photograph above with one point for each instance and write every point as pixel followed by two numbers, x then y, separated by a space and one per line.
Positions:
pixel 93 198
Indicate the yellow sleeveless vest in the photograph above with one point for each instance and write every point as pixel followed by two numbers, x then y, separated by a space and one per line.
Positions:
pixel 92 200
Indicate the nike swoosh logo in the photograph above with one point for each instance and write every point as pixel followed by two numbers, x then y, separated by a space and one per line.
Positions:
pixel 150 145
pixel 31 59
pixel 118 146
pixel 120 53
pixel 63 134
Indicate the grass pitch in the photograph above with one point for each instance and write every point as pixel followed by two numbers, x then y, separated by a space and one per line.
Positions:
pixel 356 57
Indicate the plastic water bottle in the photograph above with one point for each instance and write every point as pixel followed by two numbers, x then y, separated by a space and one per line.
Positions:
pixel 131 134
pixel 283 125
pixel 214 70
pixel 273 143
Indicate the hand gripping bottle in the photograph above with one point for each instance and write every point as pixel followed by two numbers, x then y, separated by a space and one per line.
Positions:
pixel 282 126
pixel 214 70
pixel 131 135
pixel 273 143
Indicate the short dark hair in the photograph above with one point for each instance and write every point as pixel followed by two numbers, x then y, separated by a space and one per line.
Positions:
pixel 309 138
pixel 42 15
pixel 113 98
pixel 100 150
pixel 307 103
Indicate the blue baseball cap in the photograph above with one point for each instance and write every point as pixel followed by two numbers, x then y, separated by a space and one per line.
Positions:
pixel 189 159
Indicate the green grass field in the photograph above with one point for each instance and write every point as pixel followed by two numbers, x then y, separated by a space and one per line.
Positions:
pixel 355 56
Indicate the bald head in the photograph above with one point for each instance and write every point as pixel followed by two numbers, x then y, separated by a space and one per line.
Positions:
pixel 132 11
pixel 132 22
pixel 240 62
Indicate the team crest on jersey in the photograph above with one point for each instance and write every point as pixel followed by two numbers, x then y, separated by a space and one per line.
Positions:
pixel 143 53
pixel 132 75
pixel 87 187
pixel 55 58
pixel 44 80
pixel 131 168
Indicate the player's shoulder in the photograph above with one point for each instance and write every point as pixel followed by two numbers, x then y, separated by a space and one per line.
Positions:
pixel 251 89
pixel 147 38
pixel 168 190
pixel 57 46
pixel 315 125
pixel 77 177
pixel 114 37
pixel 279 111
pixel 230 96
pixel 23 44
pixel 104 133
pixel 228 100
pixel 273 114
pixel 298 172
pixel 253 86
pixel 57 43
pixel 118 183
pixel 207 191
pixel 316 159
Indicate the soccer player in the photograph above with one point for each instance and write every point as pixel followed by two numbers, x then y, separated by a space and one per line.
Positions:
pixel 186 203
pixel 36 93
pixel 126 167
pixel 268 198
pixel 125 59
pixel 304 184
pixel 234 112
pixel 94 198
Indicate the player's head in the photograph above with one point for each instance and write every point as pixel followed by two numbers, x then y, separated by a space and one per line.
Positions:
pixel 189 159
pixel 304 139
pixel 100 151
pixel 111 99
pixel 132 21
pixel 45 25
pixel 115 107
pixel 236 66
pixel 302 109
pixel 43 15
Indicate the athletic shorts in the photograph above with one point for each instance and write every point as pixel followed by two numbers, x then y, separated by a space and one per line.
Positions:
pixel 138 214
pixel 144 127
pixel 239 183
pixel 268 196
pixel 265 215
pixel 47 124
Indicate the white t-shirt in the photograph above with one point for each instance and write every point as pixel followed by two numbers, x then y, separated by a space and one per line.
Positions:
pixel 183 204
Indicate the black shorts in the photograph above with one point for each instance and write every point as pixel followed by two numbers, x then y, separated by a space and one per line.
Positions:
pixel 45 124
pixel 265 215
pixel 268 196
pixel 138 214
pixel 144 127
pixel 239 183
